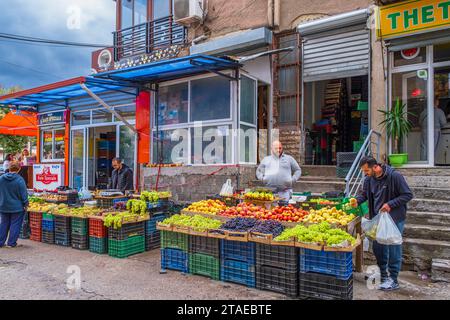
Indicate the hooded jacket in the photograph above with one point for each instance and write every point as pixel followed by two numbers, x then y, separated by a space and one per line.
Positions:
pixel 390 188
pixel 122 179
pixel 279 172
pixel 13 193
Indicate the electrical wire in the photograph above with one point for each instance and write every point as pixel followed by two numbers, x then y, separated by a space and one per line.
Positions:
pixel 49 41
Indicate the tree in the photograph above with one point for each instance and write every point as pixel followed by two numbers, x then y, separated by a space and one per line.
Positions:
pixel 9 143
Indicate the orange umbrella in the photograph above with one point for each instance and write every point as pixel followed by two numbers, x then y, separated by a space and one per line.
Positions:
pixel 19 123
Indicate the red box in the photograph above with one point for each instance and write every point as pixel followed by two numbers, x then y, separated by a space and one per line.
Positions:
pixel 97 228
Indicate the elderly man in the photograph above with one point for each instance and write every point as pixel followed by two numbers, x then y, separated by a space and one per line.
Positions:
pixel 279 171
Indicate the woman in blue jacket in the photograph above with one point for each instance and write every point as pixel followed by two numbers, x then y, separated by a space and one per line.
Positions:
pixel 13 204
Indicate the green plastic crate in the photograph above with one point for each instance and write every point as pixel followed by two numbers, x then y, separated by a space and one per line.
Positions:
pixel 80 226
pixel 204 265
pixel 47 216
pixel 174 240
pixel 362 106
pixel 357 145
pixel 98 245
pixel 126 248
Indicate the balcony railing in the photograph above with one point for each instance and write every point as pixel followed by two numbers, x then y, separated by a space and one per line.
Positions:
pixel 147 37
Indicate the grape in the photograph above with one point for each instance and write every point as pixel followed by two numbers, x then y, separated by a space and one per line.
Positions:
pixel 268 227
pixel 197 222
pixel 239 224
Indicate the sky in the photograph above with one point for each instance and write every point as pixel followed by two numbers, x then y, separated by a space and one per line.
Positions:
pixel 34 65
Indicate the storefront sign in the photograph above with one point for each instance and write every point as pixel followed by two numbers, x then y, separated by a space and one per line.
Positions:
pixel 410 54
pixel 47 176
pixel 413 16
pixel 52 118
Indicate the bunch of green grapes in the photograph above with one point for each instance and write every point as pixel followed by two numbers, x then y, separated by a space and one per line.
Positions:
pixel 165 194
pixel 150 196
pixel 197 222
pixel 137 207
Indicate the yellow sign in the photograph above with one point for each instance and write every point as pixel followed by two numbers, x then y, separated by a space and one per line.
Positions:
pixel 413 16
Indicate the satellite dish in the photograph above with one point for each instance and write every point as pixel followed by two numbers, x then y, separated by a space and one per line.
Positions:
pixel 104 59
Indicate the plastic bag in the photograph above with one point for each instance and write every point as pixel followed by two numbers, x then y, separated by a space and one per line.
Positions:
pixel 370 227
pixel 227 189
pixel 85 194
pixel 388 232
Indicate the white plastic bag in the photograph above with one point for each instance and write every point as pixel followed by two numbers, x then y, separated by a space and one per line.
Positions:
pixel 227 189
pixel 388 232
pixel 85 194
pixel 370 227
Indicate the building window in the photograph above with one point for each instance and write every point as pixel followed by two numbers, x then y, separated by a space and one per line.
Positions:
pixel 210 99
pixel 173 104
pixel 410 56
pixel 53 144
pixel 134 12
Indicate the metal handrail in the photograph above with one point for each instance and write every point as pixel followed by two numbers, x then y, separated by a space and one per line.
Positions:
pixel 354 177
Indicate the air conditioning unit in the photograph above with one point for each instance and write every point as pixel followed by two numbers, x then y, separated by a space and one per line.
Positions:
pixel 186 12
pixel 102 60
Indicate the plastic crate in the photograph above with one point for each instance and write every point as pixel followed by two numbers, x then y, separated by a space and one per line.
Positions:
pixel 63 222
pixel 277 280
pixel 338 264
pixel 36 234
pixel 204 265
pixel 48 237
pixel 106 203
pixel 204 245
pixel 35 219
pixel 237 250
pixel 174 259
pixel 238 272
pixel 126 248
pixel 174 240
pixel 47 217
pixel 343 158
pixel 97 228
pixel 127 230
pixel 357 145
pixel 98 245
pixel 48 225
pixel 80 226
pixel 80 242
pixel 153 241
pixel 282 257
pixel 150 225
pixel 25 230
pixel 323 287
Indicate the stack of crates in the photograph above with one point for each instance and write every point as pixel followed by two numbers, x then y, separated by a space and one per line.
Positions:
pixel 35 226
pixel 48 228
pixel 344 161
pixel 80 233
pixel 25 231
pixel 204 256
pixel 152 235
pixel 325 275
pixel 127 240
pixel 277 269
pixel 109 202
pixel 98 236
pixel 174 251
pixel 238 262
pixel 63 230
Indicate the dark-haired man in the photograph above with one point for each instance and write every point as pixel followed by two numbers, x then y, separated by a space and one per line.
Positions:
pixel 387 192
pixel 121 177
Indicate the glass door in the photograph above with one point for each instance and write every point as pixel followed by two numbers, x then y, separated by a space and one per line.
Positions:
pixel 127 148
pixel 78 164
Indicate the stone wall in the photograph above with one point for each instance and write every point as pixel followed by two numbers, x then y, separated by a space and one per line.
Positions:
pixel 291 143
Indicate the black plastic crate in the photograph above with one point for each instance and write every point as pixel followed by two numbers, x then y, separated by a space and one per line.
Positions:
pixel 204 245
pixel 282 257
pixel 127 230
pixel 25 230
pixel 324 287
pixel 277 280
pixel 48 237
pixel 62 222
pixel 80 242
pixel 153 241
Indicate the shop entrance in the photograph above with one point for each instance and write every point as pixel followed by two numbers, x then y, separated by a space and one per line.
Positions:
pixel 335 118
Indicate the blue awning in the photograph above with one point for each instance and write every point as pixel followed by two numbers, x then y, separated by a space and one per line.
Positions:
pixel 171 69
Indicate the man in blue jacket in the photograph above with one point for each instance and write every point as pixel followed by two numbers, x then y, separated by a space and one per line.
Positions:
pixel 387 192
pixel 13 204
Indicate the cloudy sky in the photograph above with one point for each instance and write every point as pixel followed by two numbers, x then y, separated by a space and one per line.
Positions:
pixel 34 65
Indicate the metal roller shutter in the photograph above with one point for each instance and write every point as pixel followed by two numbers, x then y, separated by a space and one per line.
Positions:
pixel 336 54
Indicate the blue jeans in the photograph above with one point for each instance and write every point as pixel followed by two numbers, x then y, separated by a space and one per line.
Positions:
pixel 10 223
pixel 389 257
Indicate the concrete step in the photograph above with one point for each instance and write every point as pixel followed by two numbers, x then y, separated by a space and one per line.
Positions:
pixel 431 205
pixel 431 193
pixel 418 253
pixel 309 170
pixel 428 218
pixel 429 232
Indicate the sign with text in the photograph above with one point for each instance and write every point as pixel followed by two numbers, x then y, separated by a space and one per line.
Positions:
pixel 48 177
pixel 413 16
pixel 52 118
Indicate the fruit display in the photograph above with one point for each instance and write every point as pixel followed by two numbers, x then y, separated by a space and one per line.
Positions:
pixel 121 205
pixel 274 228
pixel 321 233
pixel 350 205
pixel 239 224
pixel 116 219
pixel 63 209
pixel 262 196
pixel 285 213
pixel 288 213
pixel 150 196
pixel 42 207
pixel 331 215
pixel 324 202
pixel 207 206
pixel 137 207
pixel 197 222
pixel 53 197
pixel 34 199
pixel 164 194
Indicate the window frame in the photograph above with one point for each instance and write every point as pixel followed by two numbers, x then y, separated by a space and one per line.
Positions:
pixel 52 130
pixel 247 124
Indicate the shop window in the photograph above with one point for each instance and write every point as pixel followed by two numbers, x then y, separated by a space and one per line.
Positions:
pixel 210 99
pixel 127 112
pixel 173 104
pixel 441 52
pixel 211 145
pixel 53 144
pixel 101 116
pixel 81 118
pixel 248 100
pixel 170 146
pixel 410 56
pixel 247 144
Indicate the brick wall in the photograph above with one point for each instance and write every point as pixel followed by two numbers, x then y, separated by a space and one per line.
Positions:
pixel 291 143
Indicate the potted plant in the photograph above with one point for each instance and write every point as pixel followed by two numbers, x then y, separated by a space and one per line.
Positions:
pixel 397 127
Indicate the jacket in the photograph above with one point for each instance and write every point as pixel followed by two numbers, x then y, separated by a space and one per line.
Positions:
pixel 279 172
pixel 392 189
pixel 122 179
pixel 13 193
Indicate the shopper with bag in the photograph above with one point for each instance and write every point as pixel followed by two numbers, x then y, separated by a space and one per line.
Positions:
pixel 387 193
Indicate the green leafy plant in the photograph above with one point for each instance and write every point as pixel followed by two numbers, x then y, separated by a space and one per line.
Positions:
pixel 396 123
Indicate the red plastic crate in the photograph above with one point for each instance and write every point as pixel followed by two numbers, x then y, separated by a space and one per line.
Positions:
pixel 35 218
pixel 36 234
pixel 97 229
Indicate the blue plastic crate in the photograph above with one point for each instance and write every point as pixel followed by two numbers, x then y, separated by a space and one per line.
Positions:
pixel 237 250
pixel 238 272
pixel 150 225
pixel 338 264
pixel 175 259
pixel 48 225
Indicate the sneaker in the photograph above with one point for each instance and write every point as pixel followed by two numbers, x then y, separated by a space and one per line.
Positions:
pixel 389 285
pixel 16 246
pixel 386 283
